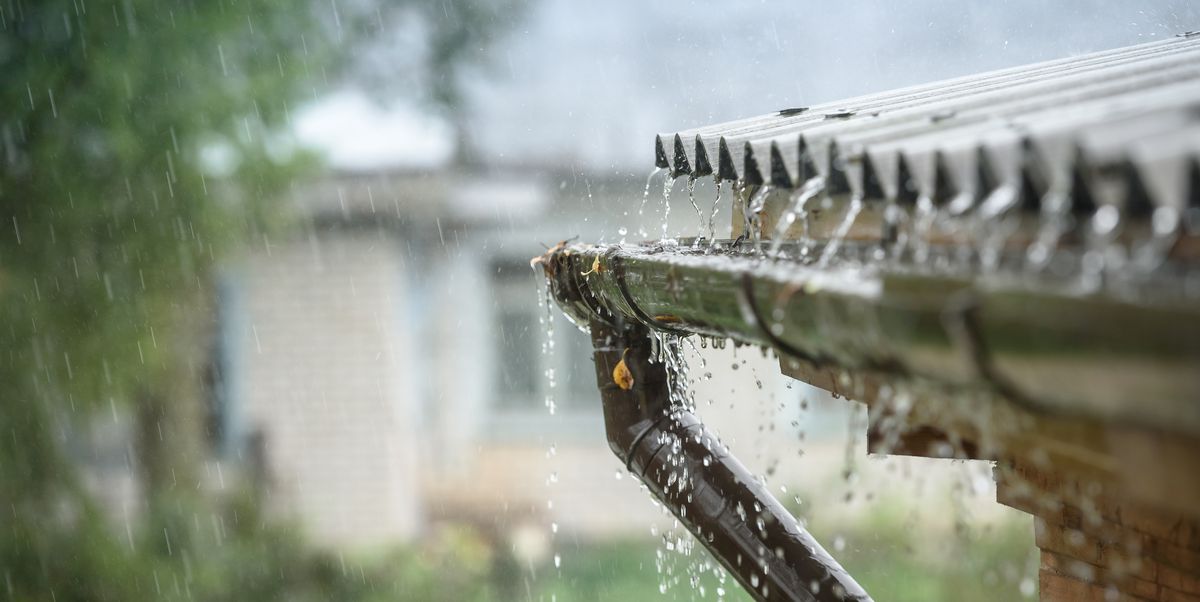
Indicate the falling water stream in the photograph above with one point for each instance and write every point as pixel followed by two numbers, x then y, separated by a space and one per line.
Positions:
pixel 839 235
pixel 646 197
pixel 922 226
pixel 1054 224
pixel 752 218
pixel 546 321
pixel 796 208
pixel 1164 229
pixel 712 216
pixel 691 190
pixel 992 226
pixel 668 184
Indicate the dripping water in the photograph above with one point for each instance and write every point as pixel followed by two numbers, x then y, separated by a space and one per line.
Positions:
pixel 897 224
pixel 691 190
pixel 1101 254
pixel 922 228
pixel 668 183
pixel 993 228
pixel 753 217
pixel 797 207
pixel 1164 230
pixel 842 231
pixel 646 197
pixel 546 320
pixel 1054 224
pixel 712 215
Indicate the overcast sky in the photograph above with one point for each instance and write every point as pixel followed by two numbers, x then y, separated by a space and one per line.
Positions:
pixel 588 84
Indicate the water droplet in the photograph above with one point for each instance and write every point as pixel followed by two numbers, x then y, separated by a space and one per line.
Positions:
pixel 1027 587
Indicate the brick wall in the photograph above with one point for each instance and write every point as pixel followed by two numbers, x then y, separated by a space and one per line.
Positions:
pixel 1097 547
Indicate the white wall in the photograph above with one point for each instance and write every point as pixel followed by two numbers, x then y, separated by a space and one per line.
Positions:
pixel 322 369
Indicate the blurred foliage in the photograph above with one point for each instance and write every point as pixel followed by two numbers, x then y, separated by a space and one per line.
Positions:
pixel 628 570
pixel 141 142
pixel 229 554
pixel 893 559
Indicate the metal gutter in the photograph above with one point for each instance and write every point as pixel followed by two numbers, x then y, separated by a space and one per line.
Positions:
pixel 1052 349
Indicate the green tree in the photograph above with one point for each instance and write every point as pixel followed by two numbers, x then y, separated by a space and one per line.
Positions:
pixel 113 214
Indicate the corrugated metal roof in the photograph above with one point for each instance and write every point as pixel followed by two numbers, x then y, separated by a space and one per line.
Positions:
pixel 1124 124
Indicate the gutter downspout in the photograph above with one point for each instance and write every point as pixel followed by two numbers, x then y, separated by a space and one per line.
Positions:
pixel 667 447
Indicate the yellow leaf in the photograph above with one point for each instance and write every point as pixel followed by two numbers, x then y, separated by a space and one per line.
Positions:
pixel 621 374
pixel 596 267
pixel 544 259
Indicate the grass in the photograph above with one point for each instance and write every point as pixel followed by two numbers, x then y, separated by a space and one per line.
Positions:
pixel 891 558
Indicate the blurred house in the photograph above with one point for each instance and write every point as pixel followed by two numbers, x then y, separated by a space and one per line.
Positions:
pixel 392 364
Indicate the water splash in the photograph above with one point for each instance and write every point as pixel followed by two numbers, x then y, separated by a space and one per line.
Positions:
pixel 752 219
pixel 897 234
pixel 992 227
pixel 797 207
pixel 922 229
pixel 1150 253
pixel 1102 254
pixel 1055 222
pixel 839 235
pixel 680 562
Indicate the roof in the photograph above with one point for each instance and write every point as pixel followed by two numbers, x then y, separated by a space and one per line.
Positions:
pixel 1130 115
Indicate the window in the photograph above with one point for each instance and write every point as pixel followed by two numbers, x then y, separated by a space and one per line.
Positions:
pixel 517 349
pixel 520 367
